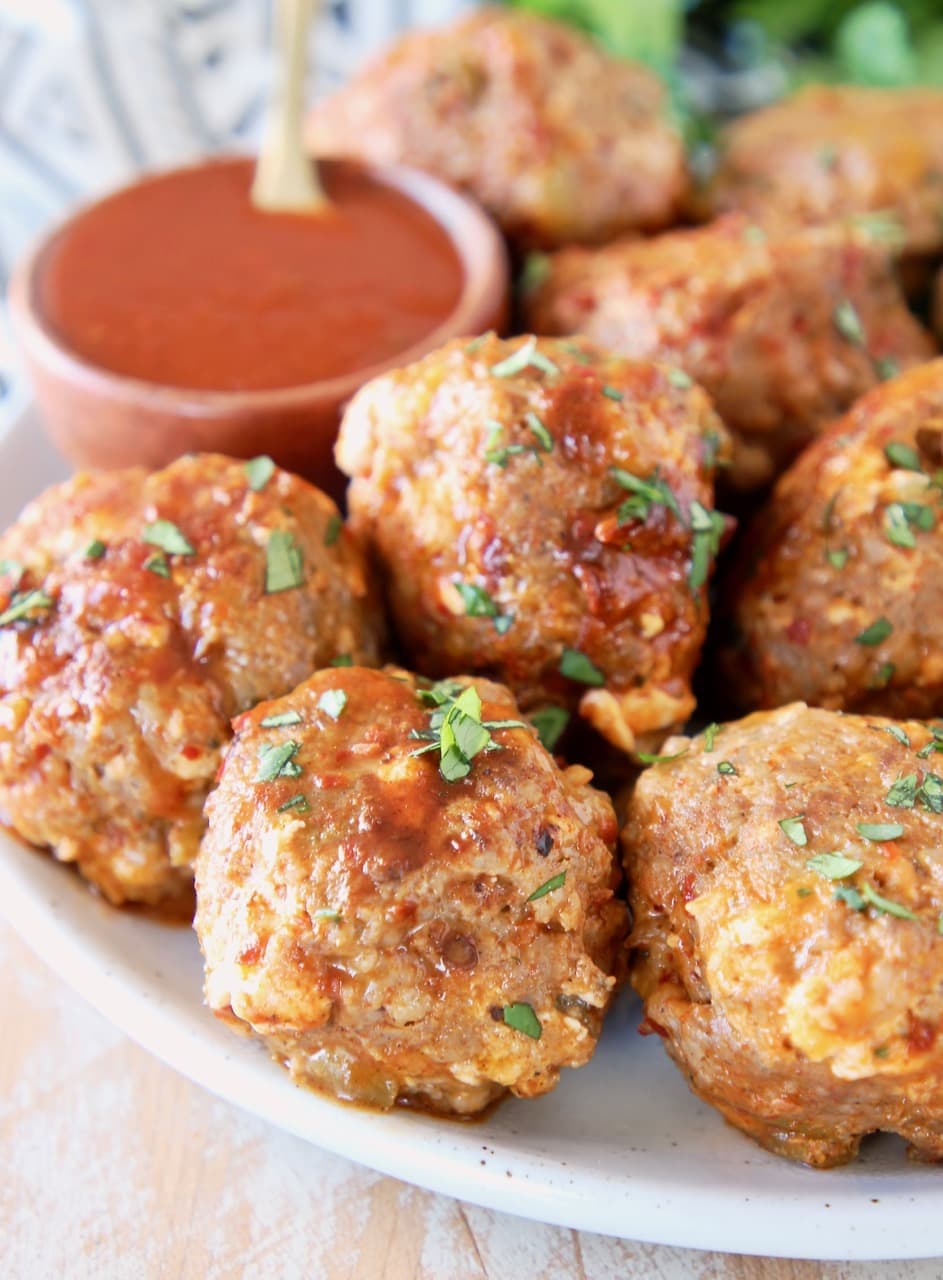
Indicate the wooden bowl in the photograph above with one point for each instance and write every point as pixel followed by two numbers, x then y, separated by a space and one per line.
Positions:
pixel 102 419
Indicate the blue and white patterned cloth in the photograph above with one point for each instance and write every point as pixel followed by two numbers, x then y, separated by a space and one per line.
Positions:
pixel 94 91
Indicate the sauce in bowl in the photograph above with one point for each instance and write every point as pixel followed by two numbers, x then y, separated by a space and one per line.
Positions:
pixel 180 281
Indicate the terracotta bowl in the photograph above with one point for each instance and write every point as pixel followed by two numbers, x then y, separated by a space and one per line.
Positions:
pixel 102 419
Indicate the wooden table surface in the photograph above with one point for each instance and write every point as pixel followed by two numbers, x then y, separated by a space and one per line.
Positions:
pixel 114 1167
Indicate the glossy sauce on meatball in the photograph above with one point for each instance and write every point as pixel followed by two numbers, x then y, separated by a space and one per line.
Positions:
pixel 397 924
pixel 139 614
pixel 543 514
pixel 786 878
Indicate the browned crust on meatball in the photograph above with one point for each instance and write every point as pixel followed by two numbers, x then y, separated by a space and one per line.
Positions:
pixel 115 700
pixel 783 330
pixel 374 939
pixel 808 1017
pixel 499 477
pixel 826 605
pixel 830 151
pixel 558 140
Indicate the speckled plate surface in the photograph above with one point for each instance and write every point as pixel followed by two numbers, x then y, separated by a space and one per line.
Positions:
pixel 620 1147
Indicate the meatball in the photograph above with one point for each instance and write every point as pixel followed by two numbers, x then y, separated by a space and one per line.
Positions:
pixel 836 596
pixel 830 151
pixel 558 140
pixel 139 614
pixel 402 895
pixel 783 330
pixel 542 512
pixel 787 881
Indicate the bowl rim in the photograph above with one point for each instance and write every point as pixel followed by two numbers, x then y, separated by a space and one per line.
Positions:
pixel 472 232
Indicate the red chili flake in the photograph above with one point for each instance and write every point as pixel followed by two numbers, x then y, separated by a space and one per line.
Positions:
pixel 649 1027
pixel 191 753
pixel 799 631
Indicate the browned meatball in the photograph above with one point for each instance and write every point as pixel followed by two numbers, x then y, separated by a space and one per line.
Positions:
pixel 558 140
pixel 787 883
pixel 836 599
pixel 543 514
pixel 138 614
pixel 400 918
pixel 783 330
pixel 828 151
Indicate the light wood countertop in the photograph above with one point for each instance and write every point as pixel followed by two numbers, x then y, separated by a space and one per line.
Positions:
pixel 114 1168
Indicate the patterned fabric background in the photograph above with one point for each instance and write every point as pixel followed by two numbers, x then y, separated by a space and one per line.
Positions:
pixel 93 91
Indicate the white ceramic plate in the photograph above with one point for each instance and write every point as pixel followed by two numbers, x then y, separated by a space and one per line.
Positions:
pixel 620 1147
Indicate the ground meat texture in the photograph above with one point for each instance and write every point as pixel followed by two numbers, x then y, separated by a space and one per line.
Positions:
pixel 799 989
pixel 784 330
pixel 483 479
pixel 378 926
pixel 118 685
pixel 830 151
pixel 558 140
pixel 835 598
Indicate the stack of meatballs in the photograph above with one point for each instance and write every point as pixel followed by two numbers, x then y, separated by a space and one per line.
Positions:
pixel 367 745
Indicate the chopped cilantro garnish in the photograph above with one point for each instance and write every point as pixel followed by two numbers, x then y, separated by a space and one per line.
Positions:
pixel 885 905
pixel 646 493
pixel 837 557
pixel 326 913
pixel 612 393
pixel 876 633
pixel 332 702
pixel 342 660
pixel 576 666
pixel 848 323
pixel 880 831
pixel 894 730
pixel 522 1018
pixel 298 804
pixel 710 734
pixel 902 456
pixel 95 549
pixel 886 367
pixel 548 886
pixel 903 518
pixel 550 723
pixel 794 829
pixel 456 729
pixel 282 719
pixel 540 432
pixel 727 769
pixel 165 535
pixel 159 564
pixel 903 792
pixel 646 758
pixel 500 455
pixel 883 676
pixel 479 604
pixel 283 563
pixel 259 472
pixel 833 866
pixel 23 604
pixel 707 526
pixel 930 793
pixel 333 529
pixel 535 271
pixel 526 356
pixel 277 760
pixel 678 378
pixel 848 894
